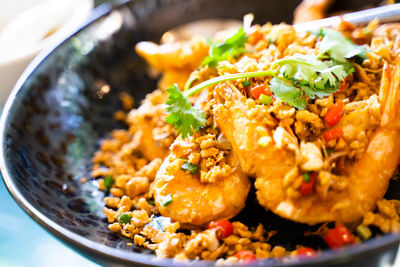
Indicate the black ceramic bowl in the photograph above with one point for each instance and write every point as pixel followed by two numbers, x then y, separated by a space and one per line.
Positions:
pixel 61 108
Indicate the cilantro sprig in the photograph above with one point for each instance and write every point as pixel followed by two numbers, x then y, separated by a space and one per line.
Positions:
pixel 314 77
pixel 231 47
pixel 308 70
pixel 185 117
pixel 294 79
pixel 338 47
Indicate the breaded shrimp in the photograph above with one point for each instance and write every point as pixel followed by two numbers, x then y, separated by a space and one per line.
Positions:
pixel 175 60
pixel 179 55
pixel 216 193
pixel 274 159
pixel 310 10
pixel 151 133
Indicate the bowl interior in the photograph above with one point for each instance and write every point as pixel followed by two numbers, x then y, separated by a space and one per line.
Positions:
pixel 63 109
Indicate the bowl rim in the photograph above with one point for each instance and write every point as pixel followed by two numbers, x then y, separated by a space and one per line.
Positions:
pixel 81 244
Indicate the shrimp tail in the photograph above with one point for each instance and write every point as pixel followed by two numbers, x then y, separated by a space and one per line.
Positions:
pixel 389 95
pixel 228 113
pixel 382 154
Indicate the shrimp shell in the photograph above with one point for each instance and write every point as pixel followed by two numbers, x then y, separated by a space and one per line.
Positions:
pixel 198 203
pixel 368 177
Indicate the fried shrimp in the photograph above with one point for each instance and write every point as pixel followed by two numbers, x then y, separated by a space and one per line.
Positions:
pixel 311 10
pixel 203 179
pixel 175 60
pixel 273 155
pixel 152 135
pixel 178 55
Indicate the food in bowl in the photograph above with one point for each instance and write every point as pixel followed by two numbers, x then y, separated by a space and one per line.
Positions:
pixel 309 118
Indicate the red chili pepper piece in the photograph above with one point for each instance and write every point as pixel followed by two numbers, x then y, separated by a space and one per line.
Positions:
pixel 342 86
pixel 223 226
pixel 307 188
pixel 306 252
pixel 334 114
pixel 338 237
pixel 245 255
pixel 257 90
pixel 333 134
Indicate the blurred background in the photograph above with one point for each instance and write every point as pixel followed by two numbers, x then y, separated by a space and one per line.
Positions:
pixel 28 27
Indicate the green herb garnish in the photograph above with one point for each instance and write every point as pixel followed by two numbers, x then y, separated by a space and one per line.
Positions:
pixel 108 182
pixel 329 151
pixel 316 78
pixel 246 83
pixel 189 82
pixel 326 152
pixel 166 200
pixel 306 177
pixel 318 33
pixel 187 166
pixel 125 218
pixel 232 47
pixel 363 232
pixel 295 78
pixel 271 41
pixel 185 117
pixel 286 92
pixel 338 47
pixel 229 77
pixel 264 99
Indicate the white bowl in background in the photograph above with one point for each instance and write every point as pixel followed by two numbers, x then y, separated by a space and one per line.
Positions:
pixel 28 26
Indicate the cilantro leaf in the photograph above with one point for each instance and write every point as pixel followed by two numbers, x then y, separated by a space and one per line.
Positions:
pixel 232 46
pixel 313 76
pixel 338 47
pixel 182 115
pixel 286 92
pixel 347 66
pixel 314 92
